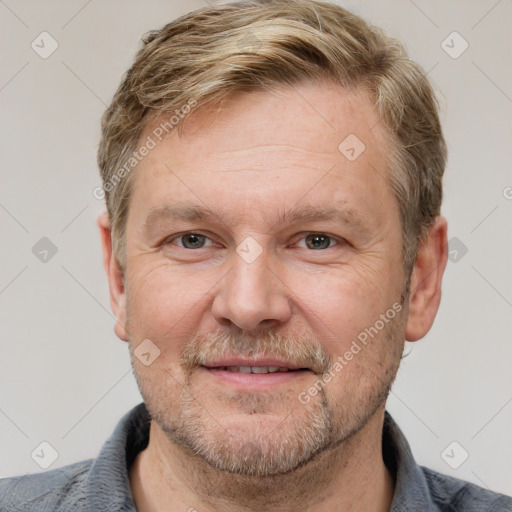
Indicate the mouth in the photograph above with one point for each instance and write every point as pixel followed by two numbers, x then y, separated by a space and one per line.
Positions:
pixel 253 374
pixel 255 369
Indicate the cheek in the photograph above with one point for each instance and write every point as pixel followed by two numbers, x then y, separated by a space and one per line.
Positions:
pixel 339 305
pixel 164 304
pixel 365 366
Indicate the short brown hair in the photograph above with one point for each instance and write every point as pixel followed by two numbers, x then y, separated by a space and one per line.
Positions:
pixel 215 51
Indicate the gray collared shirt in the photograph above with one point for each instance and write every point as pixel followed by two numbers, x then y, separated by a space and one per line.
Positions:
pixel 103 485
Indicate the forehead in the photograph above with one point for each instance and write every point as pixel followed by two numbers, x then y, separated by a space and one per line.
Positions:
pixel 307 139
pixel 309 116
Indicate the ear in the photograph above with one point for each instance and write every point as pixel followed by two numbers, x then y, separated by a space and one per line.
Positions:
pixel 114 276
pixel 427 274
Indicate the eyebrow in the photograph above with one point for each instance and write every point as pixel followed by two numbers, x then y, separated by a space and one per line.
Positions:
pixel 309 213
pixel 298 214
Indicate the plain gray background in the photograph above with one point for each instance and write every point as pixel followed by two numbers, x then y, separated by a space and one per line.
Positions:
pixel 66 378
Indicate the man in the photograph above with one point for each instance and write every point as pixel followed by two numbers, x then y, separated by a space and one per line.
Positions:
pixel 272 174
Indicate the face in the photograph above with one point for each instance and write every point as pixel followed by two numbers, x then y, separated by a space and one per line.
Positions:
pixel 264 264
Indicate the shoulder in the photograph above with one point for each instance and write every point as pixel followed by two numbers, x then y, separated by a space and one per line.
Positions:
pixel 61 489
pixel 452 494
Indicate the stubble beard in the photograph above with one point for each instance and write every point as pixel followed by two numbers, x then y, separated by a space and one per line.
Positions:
pixel 305 431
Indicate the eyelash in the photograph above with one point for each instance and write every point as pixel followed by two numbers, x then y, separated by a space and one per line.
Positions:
pixel 337 241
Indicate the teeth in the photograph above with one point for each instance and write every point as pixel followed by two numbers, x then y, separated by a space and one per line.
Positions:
pixel 259 369
pixel 253 369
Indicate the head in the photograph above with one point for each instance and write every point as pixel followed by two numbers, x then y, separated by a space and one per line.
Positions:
pixel 272 174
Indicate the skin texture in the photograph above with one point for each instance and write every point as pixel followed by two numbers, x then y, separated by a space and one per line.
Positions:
pixel 218 444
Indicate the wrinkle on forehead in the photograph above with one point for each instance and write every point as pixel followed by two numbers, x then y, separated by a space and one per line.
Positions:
pixel 273 157
pixel 271 148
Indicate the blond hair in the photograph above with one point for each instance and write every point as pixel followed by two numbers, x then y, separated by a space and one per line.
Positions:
pixel 213 52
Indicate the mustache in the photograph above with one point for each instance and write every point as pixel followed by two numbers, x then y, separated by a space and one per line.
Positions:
pixel 303 350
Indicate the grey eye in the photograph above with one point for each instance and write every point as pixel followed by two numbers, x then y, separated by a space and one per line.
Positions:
pixel 193 241
pixel 318 241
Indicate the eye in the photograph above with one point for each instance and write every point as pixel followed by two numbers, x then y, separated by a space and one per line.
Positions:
pixel 190 241
pixel 319 241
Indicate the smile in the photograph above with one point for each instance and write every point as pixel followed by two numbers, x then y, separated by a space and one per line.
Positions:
pixel 253 369
pixel 250 375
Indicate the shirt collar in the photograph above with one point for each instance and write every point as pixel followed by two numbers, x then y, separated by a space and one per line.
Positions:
pixel 411 488
pixel 108 485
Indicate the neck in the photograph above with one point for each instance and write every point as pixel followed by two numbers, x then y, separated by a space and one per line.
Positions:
pixel 349 477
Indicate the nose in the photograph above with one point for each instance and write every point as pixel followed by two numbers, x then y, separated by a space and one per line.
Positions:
pixel 252 296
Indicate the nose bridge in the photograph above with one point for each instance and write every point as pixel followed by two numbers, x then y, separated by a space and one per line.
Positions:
pixel 251 293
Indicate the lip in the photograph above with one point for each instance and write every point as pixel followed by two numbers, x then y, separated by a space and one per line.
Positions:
pixel 252 382
pixel 241 361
